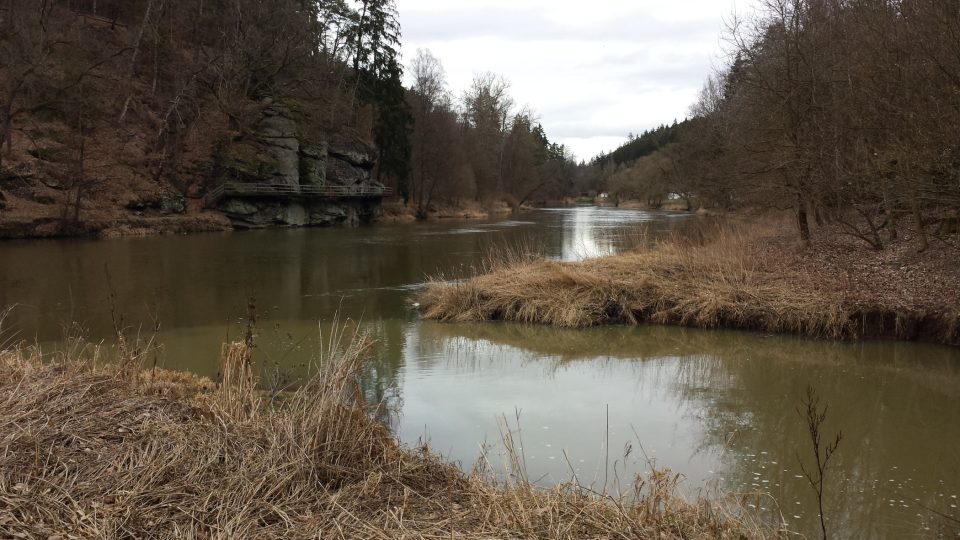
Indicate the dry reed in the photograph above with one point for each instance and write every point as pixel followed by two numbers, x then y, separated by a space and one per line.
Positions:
pixel 713 275
pixel 92 450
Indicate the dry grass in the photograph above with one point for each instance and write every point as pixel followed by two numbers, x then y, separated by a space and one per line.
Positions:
pixel 717 274
pixel 91 449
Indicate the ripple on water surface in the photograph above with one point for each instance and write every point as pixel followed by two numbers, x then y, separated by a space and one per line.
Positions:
pixel 717 407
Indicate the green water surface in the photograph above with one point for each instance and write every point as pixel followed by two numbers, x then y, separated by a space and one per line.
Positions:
pixel 719 407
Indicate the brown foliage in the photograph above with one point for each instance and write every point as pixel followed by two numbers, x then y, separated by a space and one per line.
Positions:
pixel 714 276
pixel 848 113
pixel 107 104
pixel 103 452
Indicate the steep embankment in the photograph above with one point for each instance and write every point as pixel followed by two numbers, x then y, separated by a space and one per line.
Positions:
pixel 126 125
pixel 70 165
pixel 751 276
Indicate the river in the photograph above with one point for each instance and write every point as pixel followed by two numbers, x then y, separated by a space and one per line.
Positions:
pixel 718 407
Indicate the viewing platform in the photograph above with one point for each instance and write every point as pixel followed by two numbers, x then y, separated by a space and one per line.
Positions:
pixel 286 191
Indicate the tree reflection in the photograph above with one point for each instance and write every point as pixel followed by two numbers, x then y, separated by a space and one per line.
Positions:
pixel 380 379
pixel 895 402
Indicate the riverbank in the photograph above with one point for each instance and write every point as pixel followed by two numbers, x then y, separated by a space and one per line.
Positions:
pixel 633 204
pixel 55 227
pixel 750 275
pixel 20 220
pixel 37 206
pixel 107 449
pixel 397 212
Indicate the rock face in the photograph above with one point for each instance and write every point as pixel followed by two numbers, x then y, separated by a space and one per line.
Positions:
pixel 258 214
pixel 313 165
pixel 278 154
pixel 167 202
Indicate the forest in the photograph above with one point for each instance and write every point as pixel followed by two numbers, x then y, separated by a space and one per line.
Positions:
pixel 138 103
pixel 479 146
pixel 643 344
pixel 143 91
pixel 844 112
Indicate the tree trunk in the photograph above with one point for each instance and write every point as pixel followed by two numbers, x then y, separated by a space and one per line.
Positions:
pixel 6 138
pixel 9 20
pixel 80 174
pixel 133 59
pixel 921 226
pixel 803 220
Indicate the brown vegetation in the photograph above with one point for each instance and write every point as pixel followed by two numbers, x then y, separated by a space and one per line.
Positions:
pixel 119 115
pixel 110 451
pixel 397 212
pixel 113 111
pixel 845 112
pixel 722 275
pixel 481 149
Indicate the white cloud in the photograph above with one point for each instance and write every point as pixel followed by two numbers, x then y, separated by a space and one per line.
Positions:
pixel 593 71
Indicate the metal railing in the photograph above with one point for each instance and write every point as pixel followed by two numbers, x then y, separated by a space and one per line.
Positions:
pixel 241 189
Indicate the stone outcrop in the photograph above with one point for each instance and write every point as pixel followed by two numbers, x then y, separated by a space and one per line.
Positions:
pixel 167 202
pixel 313 164
pixel 257 214
pixel 278 153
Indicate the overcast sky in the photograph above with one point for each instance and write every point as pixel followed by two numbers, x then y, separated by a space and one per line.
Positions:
pixel 592 70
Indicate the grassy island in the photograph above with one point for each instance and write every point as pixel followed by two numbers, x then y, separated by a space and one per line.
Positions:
pixel 723 274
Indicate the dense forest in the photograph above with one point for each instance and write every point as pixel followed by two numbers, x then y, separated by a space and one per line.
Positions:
pixel 145 105
pixel 127 99
pixel 479 146
pixel 846 112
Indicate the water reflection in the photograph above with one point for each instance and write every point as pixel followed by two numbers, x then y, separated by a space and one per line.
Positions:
pixel 202 282
pixel 594 231
pixel 719 407
pixel 715 406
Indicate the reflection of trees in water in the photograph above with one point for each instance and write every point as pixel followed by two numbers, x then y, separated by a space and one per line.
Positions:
pixel 466 355
pixel 564 345
pixel 470 349
pixel 380 378
pixel 594 231
pixel 900 419
pixel 895 402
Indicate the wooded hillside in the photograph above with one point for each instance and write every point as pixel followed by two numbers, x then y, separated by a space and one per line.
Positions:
pixel 109 106
pixel 846 112
pixel 116 110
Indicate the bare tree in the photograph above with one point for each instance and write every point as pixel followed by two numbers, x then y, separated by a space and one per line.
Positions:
pixel 487 106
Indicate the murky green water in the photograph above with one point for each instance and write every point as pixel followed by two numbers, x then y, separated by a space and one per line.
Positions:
pixel 718 407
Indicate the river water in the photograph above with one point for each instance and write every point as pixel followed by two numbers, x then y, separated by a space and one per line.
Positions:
pixel 718 407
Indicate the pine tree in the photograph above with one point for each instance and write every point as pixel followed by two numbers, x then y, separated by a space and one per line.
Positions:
pixel 376 40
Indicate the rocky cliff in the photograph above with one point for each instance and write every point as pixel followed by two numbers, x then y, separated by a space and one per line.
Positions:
pixel 277 153
pixel 40 195
pixel 108 133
